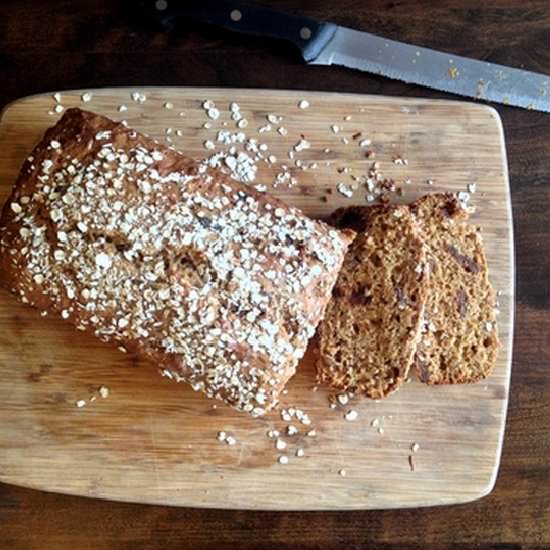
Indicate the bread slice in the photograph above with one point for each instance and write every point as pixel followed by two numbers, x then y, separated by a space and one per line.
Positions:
pixel 459 341
pixel 371 327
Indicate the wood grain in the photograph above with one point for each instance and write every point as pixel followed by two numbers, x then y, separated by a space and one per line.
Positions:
pixel 151 441
pixel 57 45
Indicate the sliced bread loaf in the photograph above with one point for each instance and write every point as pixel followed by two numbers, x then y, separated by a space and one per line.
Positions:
pixel 369 334
pixel 459 341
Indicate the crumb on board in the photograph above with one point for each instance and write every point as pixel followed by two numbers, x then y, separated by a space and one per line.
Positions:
pixel 138 97
pixel 351 415
pixel 291 430
pixel 343 398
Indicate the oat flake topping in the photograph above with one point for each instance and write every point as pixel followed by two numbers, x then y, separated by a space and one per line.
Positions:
pixel 127 239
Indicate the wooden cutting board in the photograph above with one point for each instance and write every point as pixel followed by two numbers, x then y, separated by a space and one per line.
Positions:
pixel 152 440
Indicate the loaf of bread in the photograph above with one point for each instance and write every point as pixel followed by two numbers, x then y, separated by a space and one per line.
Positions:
pixel 220 285
pixel 459 342
pixel 368 337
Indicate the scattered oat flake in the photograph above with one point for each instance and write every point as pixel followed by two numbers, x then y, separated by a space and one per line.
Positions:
pixel 80 403
pixel 300 452
pixel 430 182
pixel 380 430
pixel 463 197
pixel 122 108
pixel 415 447
pixel 311 433
pixel 230 440
pixel 335 128
pixel 291 430
pixel 138 97
pixel 103 392
pixel 274 119
pixel 58 108
pixel 303 104
pixel 283 459
pixel 302 145
pixel 375 422
pixel 342 472
pixel 343 189
pixel 168 105
pixel 86 97
pixel 343 399
pixel 472 187
pixel 221 436
pixel 280 444
pixel 57 97
pixel 351 415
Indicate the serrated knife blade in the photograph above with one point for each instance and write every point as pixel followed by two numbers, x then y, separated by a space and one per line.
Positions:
pixel 437 70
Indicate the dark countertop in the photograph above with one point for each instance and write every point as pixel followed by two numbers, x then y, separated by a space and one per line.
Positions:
pixel 48 46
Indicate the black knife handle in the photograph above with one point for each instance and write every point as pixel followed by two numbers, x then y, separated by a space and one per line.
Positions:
pixel 307 34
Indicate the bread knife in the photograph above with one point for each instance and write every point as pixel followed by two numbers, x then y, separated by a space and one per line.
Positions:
pixel 323 43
